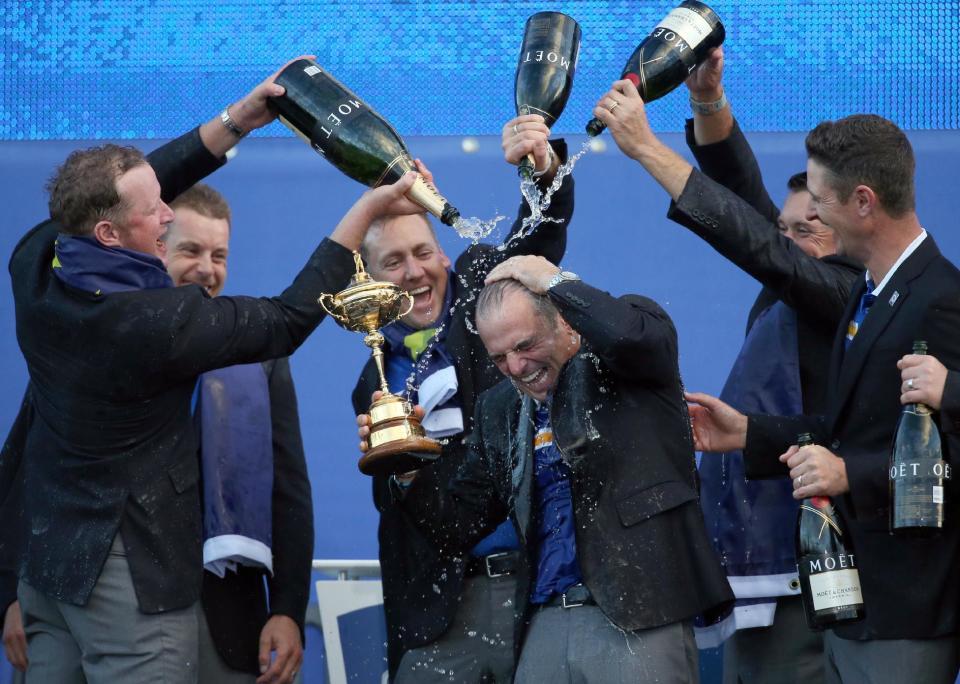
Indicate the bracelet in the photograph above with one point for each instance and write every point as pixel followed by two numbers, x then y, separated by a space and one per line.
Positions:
pixel 538 174
pixel 229 123
pixel 708 108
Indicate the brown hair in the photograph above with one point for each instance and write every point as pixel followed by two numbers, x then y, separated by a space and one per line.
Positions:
pixel 204 200
pixel 83 190
pixel 866 149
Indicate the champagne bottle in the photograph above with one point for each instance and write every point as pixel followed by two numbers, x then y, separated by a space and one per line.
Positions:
pixel 329 117
pixel 665 58
pixel 917 470
pixel 548 59
pixel 826 563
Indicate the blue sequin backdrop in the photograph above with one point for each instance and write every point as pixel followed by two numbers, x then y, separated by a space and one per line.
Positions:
pixel 80 69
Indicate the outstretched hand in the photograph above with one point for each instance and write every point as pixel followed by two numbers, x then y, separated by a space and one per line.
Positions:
pixel 717 426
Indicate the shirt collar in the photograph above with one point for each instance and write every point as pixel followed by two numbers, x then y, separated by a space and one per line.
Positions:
pixel 911 248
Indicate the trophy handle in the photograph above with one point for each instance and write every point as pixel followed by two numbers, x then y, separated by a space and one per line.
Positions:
pixel 409 303
pixel 322 302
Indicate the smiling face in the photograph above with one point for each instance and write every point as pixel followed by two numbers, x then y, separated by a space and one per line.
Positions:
pixel 145 216
pixel 842 217
pixel 404 251
pixel 196 252
pixel 810 235
pixel 526 345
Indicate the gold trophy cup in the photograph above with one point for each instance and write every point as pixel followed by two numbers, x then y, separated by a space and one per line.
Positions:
pixel 397 440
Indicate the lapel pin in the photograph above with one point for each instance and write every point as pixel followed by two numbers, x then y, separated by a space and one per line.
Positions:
pixel 894 297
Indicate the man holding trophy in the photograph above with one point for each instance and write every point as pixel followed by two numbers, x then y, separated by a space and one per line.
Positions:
pixel 437 601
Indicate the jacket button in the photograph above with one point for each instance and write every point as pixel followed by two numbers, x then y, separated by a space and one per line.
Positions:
pixel 835 444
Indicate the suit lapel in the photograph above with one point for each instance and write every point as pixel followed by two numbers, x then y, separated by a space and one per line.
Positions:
pixel 890 300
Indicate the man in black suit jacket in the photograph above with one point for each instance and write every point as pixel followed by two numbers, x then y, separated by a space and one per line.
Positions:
pixel 113 356
pixel 240 625
pixel 435 601
pixel 860 177
pixel 586 445
pixel 781 367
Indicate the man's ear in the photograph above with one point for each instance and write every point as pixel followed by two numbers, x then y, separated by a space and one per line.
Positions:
pixel 107 233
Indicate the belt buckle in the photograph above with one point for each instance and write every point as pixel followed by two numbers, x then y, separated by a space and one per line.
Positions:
pixel 569 604
pixel 486 562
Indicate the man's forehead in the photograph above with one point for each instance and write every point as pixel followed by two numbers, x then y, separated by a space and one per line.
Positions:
pixel 402 233
pixel 189 226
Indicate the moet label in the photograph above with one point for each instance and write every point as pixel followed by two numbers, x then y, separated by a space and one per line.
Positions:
pixel 336 118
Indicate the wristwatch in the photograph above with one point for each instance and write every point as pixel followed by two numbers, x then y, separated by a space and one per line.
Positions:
pixel 562 277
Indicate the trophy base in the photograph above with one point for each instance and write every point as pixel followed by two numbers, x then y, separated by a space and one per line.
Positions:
pixel 399 456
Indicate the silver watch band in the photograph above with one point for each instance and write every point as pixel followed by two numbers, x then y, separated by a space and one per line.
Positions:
pixel 229 123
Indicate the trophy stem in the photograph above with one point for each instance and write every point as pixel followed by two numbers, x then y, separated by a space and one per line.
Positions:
pixel 374 340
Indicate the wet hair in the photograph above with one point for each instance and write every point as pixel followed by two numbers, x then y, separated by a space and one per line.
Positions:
pixel 491 299
pixel 204 200
pixel 865 149
pixel 369 239
pixel 83 190
pixel 797 182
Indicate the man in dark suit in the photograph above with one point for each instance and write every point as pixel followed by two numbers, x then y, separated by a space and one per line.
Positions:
pixel 437 603
pixel 240 625
pixel 586 445
pixel 781 368
pixel 860 177
pixel 110 570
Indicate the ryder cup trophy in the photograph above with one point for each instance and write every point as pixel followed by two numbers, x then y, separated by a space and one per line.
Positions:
pixel 397 440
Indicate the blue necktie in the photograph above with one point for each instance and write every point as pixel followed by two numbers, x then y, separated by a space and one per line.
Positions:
pixel 866 301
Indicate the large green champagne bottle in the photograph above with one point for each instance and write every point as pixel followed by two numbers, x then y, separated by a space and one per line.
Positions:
pixel 335 122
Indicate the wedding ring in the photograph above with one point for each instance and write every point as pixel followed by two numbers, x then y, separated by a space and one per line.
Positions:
pixel 515 130
pixel 799 481
pixel 615 105
pixel 910 384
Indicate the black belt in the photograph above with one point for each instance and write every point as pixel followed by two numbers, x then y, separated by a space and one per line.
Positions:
pixel 494 565
pixel 577 595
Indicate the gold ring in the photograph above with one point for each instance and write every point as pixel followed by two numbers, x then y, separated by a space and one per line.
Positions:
pixel 615 105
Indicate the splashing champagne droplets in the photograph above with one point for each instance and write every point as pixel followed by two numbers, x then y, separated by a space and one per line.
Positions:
pixel 540 202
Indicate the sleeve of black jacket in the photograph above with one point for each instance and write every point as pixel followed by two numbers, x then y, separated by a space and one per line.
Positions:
pixel 731 163
pixel 818 287
pixel 632 334
pixel 292 502
pixel 11 502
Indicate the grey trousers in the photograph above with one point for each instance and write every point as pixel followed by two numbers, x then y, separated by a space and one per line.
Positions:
pixel 212 668
pixel 786 652
pixel 108 640
pixel 581 646
pixel 891 661
pixel 478 646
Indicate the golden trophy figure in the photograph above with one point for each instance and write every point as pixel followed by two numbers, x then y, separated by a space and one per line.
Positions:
pixel 397 440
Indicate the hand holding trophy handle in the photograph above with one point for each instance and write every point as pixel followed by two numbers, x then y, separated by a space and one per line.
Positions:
pixel 397 440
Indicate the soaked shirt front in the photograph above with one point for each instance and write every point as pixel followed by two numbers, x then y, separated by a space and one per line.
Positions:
pixel 557 566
